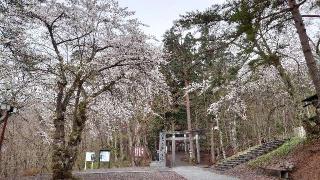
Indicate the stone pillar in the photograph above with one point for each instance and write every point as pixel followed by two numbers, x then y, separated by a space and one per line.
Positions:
pixel 162 147
pixel 173 151
pixel 185 143
pixel 198 148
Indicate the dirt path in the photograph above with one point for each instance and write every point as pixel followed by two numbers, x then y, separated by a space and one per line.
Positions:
pixel 197 173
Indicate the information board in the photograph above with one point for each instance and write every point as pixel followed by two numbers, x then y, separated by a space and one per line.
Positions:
pixel 104 156
pixel 90 156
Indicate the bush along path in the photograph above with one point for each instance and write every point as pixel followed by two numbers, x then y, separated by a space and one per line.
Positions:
pixel 252 154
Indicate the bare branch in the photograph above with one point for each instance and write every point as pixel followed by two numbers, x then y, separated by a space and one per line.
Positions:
pixel 55 20
pixel 302 2
pixel 113 65
pixel 311 15
pixel 283 11
pixel 72 39
pixel 106 47
pixel 107 87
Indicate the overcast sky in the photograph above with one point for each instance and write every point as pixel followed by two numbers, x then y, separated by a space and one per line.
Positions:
pixel 159 14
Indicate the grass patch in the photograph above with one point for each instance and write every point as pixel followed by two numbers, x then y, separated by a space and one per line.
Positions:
pixel 282 151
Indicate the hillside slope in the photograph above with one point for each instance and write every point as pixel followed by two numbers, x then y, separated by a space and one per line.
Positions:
pixel 306 160
pixel 304 156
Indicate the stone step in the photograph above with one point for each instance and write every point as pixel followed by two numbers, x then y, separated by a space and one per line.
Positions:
pixel 247 158
pixel 235 160
pixel 271 146
pixel 226 166
pixel 229 165
pixel 232 164
pixel 255 154
pixel 246 155
pixel 268 146
pixel 238 160
pixel 259 151
pixel 222 169
pixel 251 155
pixel 274 143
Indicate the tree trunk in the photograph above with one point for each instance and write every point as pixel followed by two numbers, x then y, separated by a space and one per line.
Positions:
pixel 286 80
pixel 285 119
pixel 78 124
pixel 64 157
pixel 137 133
pixel 108 141
pixel 4 118
pixel 187 104
pixel 304 40
pixel 212 145
pixel 115 148
pixel 58 146
pixel 130 143
pixel 234 140
pixel 121 145
pixel 221 139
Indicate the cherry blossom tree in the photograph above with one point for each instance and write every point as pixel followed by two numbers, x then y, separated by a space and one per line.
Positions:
pixel 86 49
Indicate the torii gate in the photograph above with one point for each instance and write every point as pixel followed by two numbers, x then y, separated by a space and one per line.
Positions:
pixel 173 138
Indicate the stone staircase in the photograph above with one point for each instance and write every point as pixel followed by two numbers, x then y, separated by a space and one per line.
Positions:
pixel 252 154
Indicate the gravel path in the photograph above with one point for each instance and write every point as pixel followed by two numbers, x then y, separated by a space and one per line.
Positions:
pixel 197 173
pixel 117 174
pixel 154 175
pixel 143 173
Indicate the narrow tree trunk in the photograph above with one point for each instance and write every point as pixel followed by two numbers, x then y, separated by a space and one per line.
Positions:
pixel 233 133
pixel 121 145
pixel 4 118
pixel 173 126
pixel 304 40
pixel 212 144
pixel 130 143
pixel 148 153
pixel 137 133
pixel 187 104
pixel 221 139
pixel 284 111
pixel 115 148
pixel 109 140
pixel 196 119
pixel 286 80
